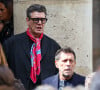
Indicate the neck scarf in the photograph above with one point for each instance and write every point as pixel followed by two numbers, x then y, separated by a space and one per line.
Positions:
pixel 35 54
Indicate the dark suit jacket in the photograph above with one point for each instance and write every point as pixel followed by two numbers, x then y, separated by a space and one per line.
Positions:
pixel 17 50
pixel 54 80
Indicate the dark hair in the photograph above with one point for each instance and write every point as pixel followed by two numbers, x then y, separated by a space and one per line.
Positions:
pixel 6 2
pixel 8 5
pixel 65 50
pixel 2 21
pixel 36 7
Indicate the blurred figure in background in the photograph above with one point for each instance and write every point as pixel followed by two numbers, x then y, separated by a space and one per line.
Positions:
pixel 2 57
pixel 88 80
pixel 95 85
pixel 8 81
pixel 44 87
pixel 1 25
pixel 97 65
pixel 89 77
pixel 79 87
pixel 6 15
pixel 68 88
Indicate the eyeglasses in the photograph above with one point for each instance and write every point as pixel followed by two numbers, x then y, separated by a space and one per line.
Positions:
pixel 36 20
pixel 1 10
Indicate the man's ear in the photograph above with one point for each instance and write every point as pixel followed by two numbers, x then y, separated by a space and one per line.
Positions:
pixel 27 20
pixel 56 63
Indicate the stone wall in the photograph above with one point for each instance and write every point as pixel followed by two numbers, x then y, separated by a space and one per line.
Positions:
pixel 69 23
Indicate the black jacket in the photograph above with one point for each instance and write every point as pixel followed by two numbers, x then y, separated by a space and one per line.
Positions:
pixel 7 31
pixel 17 50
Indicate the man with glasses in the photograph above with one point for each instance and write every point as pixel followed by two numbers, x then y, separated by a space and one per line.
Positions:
pixel 31 54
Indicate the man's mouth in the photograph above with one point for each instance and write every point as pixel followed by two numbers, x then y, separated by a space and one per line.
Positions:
pixel 67 70
pixel 39 27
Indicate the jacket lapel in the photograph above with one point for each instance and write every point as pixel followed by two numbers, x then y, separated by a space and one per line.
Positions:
pixel 44 46
pixel 26 45
pixel 55 81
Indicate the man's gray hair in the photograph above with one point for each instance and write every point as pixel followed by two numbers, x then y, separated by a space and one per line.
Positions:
pixel 64 50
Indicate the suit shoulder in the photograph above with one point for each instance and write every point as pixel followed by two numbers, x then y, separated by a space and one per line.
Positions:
pixel 21 35
pixel 79 78
pixel 49 79
pixel 15 37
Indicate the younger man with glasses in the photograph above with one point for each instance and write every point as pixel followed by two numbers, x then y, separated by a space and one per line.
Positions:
pixel 31 54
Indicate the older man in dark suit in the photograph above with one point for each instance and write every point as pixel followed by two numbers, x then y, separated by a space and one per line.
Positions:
pixel 65 61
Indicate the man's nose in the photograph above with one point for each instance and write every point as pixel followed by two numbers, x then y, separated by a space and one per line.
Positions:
pixel 40 22
pixel 67 62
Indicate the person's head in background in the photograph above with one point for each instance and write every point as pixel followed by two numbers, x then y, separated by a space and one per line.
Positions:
pixel 79 87
pixel 6 9
pixel 68 88
pixel 6 15
pixel 1 25
pixel 88 80
pixel 44 87
pixel 95 85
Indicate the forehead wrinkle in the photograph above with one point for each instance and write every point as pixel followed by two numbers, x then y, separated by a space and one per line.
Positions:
pixel 37 15
pixel 64 56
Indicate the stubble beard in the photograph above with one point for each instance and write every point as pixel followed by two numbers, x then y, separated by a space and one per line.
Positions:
pixel 66 76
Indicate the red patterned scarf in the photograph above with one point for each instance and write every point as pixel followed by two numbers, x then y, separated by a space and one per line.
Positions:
pixel 35 54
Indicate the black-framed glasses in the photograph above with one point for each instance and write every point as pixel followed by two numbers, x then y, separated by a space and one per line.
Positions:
pixel 1 10
pixel 36 20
